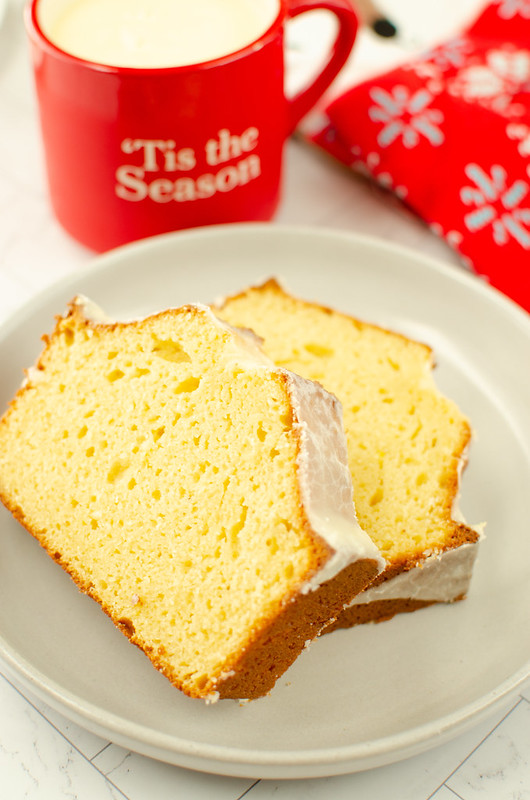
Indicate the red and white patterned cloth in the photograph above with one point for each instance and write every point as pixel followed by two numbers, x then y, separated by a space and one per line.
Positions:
pixel 449 133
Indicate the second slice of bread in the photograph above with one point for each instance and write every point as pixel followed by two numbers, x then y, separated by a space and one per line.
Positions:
pixel 407 442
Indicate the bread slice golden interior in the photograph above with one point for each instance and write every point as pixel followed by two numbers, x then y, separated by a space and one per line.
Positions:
pixel 168 466
pixel 407 442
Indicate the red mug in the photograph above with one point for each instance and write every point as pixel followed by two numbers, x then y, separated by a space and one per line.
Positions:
pixel 133 152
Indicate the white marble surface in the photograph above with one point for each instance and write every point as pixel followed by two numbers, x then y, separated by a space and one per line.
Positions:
pixel 43 756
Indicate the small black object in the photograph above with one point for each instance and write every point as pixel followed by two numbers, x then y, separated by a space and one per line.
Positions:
pixel 383 27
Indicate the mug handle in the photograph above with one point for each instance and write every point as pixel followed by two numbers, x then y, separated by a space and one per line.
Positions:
pixel 304 100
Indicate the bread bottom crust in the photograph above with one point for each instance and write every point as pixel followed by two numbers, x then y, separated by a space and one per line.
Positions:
pixel 380 611
pixel 257 670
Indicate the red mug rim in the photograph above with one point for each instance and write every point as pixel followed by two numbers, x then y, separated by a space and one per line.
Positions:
pixel 37 34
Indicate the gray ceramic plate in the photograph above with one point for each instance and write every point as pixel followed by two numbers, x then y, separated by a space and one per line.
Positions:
pixel 358 698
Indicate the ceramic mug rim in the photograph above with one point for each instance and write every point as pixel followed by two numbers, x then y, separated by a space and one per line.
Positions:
pixel 38 36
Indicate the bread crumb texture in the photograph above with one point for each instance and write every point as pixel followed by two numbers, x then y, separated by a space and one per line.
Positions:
pixel 160 472
pixel 406 440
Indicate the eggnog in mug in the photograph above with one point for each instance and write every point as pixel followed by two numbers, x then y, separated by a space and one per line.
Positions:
pixel 162 115
pixel 154 33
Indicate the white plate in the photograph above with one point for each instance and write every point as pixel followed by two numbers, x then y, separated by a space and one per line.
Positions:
pixel 359 698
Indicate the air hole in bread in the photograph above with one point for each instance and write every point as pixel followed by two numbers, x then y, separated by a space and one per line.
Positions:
pixel 117 470
pixel 169 350
pixel 158 433
pixel 416 431
pixel 377 496
pixel 115 375
pixel 287 421
pixel 319 350
pixel 272 544
pixel 187 385
pixel 236 530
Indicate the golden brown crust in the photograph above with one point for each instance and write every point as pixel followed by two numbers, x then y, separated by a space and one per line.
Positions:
pixel 272 284
pixel 460 535
pixel 381 610
pixel 377 611
pixel 276 647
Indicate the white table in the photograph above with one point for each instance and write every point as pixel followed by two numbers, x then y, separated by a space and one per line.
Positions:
pixel 43 756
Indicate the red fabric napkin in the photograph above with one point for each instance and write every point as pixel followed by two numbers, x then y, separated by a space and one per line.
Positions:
pixel 449 133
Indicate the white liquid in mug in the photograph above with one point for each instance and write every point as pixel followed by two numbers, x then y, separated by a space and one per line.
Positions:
pixel 154 33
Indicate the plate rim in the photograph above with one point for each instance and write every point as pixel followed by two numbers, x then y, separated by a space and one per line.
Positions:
pixel 99 263
pixel 269 764
pixel 230 760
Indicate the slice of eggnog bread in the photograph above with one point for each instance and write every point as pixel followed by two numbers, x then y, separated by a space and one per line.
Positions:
pixel 195 490
pixel 407 443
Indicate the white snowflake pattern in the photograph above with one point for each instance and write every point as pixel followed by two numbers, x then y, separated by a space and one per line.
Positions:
pixel 453 53
pixel 505 73
pixel 521 134
pixel 430 74
pixel 513 8
pixel 433 65
pixel 497 204
pixel 405 115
